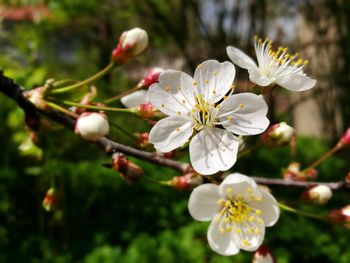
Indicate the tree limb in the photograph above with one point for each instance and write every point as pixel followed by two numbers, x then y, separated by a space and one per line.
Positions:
pixel 15 92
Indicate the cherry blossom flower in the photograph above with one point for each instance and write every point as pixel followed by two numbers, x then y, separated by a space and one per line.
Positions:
pixel 239 211
pixel 92 125
pixel 273 66
pixel 205 107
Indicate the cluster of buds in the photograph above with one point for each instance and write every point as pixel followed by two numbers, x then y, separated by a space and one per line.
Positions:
pixel 129 171
pixel 292 172
pixel 92 125
pixel 279 134
pixel 50 200
pixel 340 216
pixel 131 44
pixel 263 255
pixel 317 194
pixel 186 181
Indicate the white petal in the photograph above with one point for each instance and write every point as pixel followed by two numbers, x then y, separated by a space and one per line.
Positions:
pixel 174 93
pixel 258 78
pixel 296 82
pixel 222 244
pixel 170 133
pixel 248 234
pixel 135 99
pixel 203 202
pixel 213 150
pixel 214 79
pixel 238 184
pixel 247 112
pixel 269 208
pixel 239 58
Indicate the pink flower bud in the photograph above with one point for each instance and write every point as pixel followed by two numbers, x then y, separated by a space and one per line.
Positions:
pixel 279 134
pixel 263 255
pixel 292 172
pixel 92 126
pixel 143 139
pixel 318 194
pixel 129 171
pixel 151 77
pixel 187 181
pixel 131 44
pixel 145 110
pixel 345 140
pixel 340 216
pixel 50 200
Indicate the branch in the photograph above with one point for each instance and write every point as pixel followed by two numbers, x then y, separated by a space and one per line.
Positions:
pixel 15 92
pixel 299 184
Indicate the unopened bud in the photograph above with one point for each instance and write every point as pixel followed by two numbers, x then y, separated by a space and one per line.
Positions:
pixel 92 125
pixel 187 181
pixel 151 77
pixel 292 172
pixel 143 139
pixel 36 96
pixel 340 216
pixel 50 200
pixel 345 140
pixel 263 255
pixel 279 134
pixel 131 44
pixel 145 110
pixel 129 171
pixel 318 194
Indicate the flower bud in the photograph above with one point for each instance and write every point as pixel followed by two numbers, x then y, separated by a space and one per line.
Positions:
pixel 187 181
pixel 131 44
pixel 143 139
pixel 318 194
pixel 92 125
pixel 345 140
pixel 145 110
pixel 279 134
pixel 347 178
pixel 129 171
pixel 36 96
pixel 340 216
pixel 263 255
pixel 151 77
pixel 50 200
pixel 292 172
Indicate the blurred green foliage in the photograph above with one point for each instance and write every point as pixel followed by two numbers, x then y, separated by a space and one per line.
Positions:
pixel 99 217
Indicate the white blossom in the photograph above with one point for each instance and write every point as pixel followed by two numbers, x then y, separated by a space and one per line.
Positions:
pixel 239 211
pixel 92 125
pixel 204 107
pixel 273 66
pixel 136 98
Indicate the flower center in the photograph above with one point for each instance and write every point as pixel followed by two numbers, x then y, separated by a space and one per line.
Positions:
pixel 203 113
pixel 238 215
pixel 272 62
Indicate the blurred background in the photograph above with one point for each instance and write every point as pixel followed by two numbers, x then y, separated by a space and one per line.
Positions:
pixel 99 217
